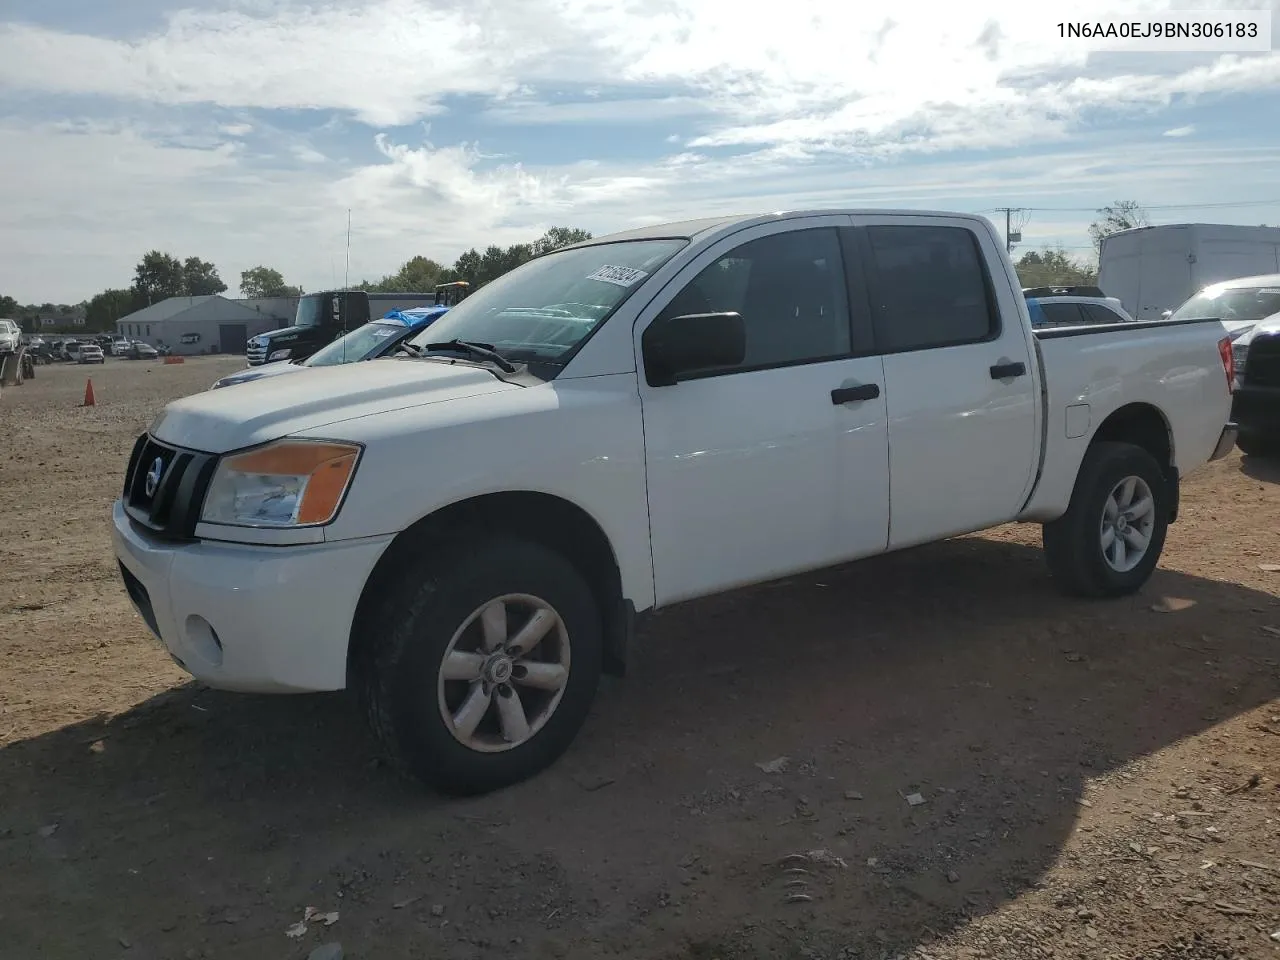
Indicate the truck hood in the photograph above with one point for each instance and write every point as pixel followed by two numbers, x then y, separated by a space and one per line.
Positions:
pixel 277 334
pixel 275 369
pixel 218 421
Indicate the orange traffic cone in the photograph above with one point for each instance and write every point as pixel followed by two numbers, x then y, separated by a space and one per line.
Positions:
pixel 88 392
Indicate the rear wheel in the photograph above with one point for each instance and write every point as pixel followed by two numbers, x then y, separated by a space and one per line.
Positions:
pixel 1109 541
pixel 478 671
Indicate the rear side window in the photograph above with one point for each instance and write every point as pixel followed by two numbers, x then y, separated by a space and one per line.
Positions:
pixel 1100 314
pixel 1064 314
pixel 929 288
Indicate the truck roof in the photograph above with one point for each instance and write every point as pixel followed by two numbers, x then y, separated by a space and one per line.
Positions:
pixel 689 229
pixel 1212 230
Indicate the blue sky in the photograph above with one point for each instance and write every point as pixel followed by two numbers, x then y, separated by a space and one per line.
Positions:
pixel 241 131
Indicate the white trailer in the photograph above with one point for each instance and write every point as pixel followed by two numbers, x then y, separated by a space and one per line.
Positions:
pixel 1153 269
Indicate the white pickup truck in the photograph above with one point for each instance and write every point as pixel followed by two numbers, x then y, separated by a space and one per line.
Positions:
pixel 465 536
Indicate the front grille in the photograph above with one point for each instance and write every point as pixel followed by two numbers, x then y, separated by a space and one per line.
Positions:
pixel 169 506
pixel 1262 366
pixel 256 354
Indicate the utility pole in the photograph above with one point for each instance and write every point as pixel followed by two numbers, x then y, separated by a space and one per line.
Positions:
pixel 1011 236
pixel 346 276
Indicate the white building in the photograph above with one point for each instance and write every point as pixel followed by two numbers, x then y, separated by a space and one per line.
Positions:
pixel 193 325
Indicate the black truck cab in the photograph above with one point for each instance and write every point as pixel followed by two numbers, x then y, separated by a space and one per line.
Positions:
pixel 323 317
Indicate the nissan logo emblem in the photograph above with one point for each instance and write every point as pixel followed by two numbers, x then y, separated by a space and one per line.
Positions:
pixel 153 476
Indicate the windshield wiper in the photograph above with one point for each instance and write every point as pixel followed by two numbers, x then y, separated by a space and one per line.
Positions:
pixel 485 351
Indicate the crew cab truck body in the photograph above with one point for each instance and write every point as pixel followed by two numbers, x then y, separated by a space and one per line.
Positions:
pixel 466 536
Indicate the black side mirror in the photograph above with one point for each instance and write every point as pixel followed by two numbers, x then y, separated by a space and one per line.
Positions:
pixel 674 346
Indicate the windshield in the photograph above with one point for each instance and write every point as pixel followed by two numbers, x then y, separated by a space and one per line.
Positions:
pixel 309 309
pixel 542 310
pixel 1231 303
pixel 356 345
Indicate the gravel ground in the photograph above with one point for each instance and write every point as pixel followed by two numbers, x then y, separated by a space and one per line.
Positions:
pixel 1095 779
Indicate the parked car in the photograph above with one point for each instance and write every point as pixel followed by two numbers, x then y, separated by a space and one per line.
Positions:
pixel 1249 308
pixel 71 350
pixel 119 347
pixel 377 339
pixel 141 351
pixel 90 353
pixel 10 337
pixel 633 421
pixel 1072 307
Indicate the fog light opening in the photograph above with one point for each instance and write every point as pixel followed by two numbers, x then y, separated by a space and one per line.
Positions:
pixel 203 640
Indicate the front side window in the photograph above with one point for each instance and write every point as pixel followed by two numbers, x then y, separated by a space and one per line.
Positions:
pixel 789 289
pixel 542 310
pixel 308 314
pixel 929 288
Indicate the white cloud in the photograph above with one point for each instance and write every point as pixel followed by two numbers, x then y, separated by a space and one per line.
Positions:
pixel 884 76
pixel 307 154
pixel 83 201
pixel 824 106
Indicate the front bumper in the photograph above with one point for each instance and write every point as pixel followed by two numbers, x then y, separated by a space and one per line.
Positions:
pixel 250 618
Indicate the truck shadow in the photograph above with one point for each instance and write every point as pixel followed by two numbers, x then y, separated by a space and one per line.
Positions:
pixel 206 822
pixel 1266 469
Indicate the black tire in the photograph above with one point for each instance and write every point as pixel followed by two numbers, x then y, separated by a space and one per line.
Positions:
pixel 1072 543
pixel 1258 445
pixel 402 643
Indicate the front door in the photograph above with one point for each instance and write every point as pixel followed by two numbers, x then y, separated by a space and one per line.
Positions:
pixel 958 367
pixel 753 470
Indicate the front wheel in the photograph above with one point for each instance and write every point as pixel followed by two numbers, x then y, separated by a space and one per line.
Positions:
pixel 478 671
pixel 1109 541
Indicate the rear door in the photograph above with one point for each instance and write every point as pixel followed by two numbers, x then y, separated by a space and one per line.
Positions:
pixel 962 406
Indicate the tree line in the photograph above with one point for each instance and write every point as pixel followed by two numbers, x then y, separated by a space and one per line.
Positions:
pixel 159 275
pixel 422 274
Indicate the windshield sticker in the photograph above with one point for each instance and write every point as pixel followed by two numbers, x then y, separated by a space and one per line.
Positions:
pixel 382 334
pixel 619 276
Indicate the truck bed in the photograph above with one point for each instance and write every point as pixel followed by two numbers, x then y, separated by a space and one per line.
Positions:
pixel 1090 372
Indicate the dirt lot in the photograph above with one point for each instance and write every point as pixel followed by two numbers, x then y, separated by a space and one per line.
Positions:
pixel 1098 780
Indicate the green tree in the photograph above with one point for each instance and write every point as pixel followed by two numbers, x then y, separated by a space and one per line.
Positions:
pixel 106 308
pixel 265 282
pixel 417 275
pixel 8 308
pixel 1053 268
pixel 157 277
pixel 1121 215
pixel 200 278
pixel 558 237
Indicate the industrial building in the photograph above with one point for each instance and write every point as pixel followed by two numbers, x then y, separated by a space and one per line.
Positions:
pixel 210 324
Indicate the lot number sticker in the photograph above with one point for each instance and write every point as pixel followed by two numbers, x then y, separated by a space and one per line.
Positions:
pixel 620 276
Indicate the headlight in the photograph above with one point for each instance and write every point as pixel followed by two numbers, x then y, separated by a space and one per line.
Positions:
pixel 279 354
pixel 288 483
